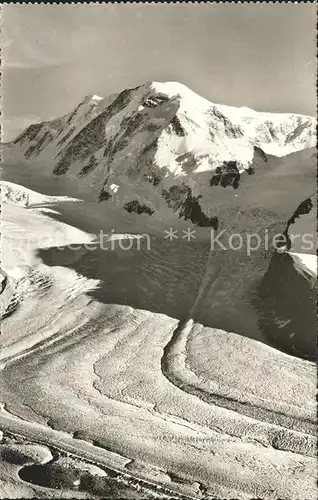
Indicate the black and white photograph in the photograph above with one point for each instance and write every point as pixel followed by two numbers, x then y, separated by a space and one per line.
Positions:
pixel 158 265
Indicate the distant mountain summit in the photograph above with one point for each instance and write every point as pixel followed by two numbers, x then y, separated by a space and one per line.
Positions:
pixel 158 136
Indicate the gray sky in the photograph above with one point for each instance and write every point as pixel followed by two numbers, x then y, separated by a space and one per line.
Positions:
pixel 261 56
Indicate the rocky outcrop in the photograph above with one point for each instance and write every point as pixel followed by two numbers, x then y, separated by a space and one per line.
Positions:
pixel 136 207
pixel 287 308
pixel 16 194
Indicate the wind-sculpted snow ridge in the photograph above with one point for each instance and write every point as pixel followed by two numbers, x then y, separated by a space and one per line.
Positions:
pixel 305 263
pixel 167 408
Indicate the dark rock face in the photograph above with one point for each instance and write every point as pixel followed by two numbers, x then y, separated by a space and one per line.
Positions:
pixel 104 195
pixel 231 129
pixel 89 167
pixel 155 100
pixel 130 124
pixel 188 162
pixel 287 295
pixel 287 308
pixel 49 476
pixel 260 153
pixel 177 127
pixel 71 116
pixel 66 136
pixel 60 477
pixel 228 174
pixel 155 175
pixel 135 206
pixel 175 196
pixel 271 130
pixel 37 148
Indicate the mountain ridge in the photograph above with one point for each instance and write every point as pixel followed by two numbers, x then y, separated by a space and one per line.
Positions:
pixel 153 142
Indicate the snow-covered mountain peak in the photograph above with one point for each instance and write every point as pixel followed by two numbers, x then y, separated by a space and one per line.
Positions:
pixel 97 98
pixel 160 130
